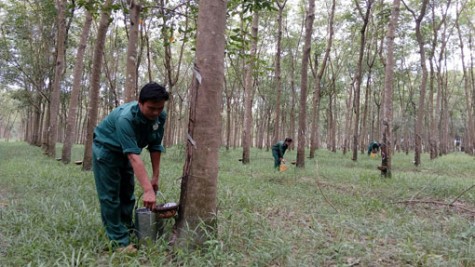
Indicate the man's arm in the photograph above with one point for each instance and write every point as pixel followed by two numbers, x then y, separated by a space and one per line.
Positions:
pixel 155 158
pixel 141 174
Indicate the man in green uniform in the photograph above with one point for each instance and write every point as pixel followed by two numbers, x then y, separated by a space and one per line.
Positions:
pixel 373 147
pixel 118 142
pixel 278 151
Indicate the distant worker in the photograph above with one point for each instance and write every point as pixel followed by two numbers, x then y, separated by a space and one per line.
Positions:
pixel 278 151
pixel 457 142
pixel 373 149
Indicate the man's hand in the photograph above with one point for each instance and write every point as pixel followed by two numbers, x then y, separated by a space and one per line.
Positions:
pixel 149 200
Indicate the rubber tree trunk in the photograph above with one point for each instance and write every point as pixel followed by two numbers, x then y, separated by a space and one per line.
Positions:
pixel 315 139
pixel 58 76
pixel 278 78
pixel 70 134
pixel 468 142
pixel 95 83
pixel 387 116
pixel 422 89
pixel 310 16
pixel 359 76
pixel 196 222
pixel 249 92
pixel 131 73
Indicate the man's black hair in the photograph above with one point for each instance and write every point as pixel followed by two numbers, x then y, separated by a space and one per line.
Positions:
pixel 288 139
pixel 153 92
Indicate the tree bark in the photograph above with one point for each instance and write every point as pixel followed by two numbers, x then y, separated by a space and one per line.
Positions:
pixel 348 120
pixel 197 211
pixel 331 116
pixel 278 78
pixel 422 89
pixel 468 142
pixel 249 91
pixel 58 76
pixel 434 137
pixel 471 71
pixel 387 116
pixel 443 90
pixel 95 83
pixel 315 134
pixel 371 59
pixel 37 122
pixel 229 95
pixel 359 74
pixel 172 69
pixel 310 16
pixel 70 134
pixel 130 90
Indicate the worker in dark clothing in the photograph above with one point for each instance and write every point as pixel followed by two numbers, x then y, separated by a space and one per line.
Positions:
pixel 118 143
pixel 278 151
pixel 373 148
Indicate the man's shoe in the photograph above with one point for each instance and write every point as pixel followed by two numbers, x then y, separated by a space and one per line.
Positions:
pixel 130 249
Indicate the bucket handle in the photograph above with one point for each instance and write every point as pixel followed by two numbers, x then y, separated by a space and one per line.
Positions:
pixel 141 195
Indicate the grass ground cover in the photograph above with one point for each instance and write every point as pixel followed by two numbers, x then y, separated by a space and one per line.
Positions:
pixel 335 212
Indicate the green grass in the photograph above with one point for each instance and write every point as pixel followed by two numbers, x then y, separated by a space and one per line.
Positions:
pixel 334 212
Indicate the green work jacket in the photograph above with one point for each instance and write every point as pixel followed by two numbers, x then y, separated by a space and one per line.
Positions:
pixel 126 130
pixel 279 148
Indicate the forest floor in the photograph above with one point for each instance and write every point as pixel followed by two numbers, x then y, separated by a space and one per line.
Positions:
pixel 333 212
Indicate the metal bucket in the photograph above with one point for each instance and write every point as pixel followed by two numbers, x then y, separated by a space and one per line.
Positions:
pixel 148 224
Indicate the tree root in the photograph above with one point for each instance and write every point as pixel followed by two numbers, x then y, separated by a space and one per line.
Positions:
pixel 451 204
pixel 439 203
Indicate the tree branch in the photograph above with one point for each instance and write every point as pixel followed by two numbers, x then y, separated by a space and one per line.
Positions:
pixel 358 7
pixel 463 192
pixel 409 9
pixel 436 203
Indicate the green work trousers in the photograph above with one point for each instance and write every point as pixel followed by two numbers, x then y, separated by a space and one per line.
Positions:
pixel 275 154
pixel 115 187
